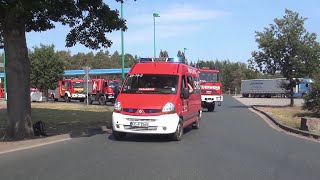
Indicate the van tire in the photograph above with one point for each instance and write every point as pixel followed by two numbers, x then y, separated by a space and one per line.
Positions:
pixel 196 125
pixel 119 135
pixel 211 107
pixel 177 136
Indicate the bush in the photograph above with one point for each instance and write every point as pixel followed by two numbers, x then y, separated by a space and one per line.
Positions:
pixel 312 100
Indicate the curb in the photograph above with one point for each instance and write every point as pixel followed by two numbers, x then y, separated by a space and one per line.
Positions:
pixel 285 127
pixel 7 147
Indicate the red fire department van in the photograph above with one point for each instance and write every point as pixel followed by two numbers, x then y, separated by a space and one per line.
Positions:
pixel 68 89
pixel 211 88
pixel 159 96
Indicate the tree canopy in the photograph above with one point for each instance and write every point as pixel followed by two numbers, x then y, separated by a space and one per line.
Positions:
pixel 286 47
pixel 89 23
pixel 46 67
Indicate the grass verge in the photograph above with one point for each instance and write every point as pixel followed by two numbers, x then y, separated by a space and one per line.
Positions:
pixel 290 116
pixel 61 117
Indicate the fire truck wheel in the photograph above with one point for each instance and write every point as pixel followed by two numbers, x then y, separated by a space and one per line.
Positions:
pixel 211 108
pixel 177 136
pixel 102 100
pixel 66 98
pixel 118 135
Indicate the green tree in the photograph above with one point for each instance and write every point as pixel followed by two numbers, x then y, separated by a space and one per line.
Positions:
pixel 163 54
pixel 312 100
pixel 46 68
pixel 181 55
pixel 286 47
pixel 90 21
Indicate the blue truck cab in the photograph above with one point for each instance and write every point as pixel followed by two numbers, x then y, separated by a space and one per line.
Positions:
pixel 303 88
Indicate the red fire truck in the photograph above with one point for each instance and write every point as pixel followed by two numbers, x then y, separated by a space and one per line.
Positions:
pixel 68 89
pixel 1 91
pixel 211 88
pixel 102 90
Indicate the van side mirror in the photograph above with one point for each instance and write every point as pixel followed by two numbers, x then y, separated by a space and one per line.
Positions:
pixel 185 93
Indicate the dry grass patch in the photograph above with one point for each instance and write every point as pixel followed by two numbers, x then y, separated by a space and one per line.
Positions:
pixel 61 117
pixel 290 116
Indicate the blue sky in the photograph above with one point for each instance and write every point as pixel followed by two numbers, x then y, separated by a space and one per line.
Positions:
pixel 209 29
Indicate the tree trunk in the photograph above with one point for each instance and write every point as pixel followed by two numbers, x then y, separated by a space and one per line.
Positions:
pixel 19 124
pixel 46 94
pixel 291 95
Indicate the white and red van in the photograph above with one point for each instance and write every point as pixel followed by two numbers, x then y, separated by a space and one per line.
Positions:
pixel 158 96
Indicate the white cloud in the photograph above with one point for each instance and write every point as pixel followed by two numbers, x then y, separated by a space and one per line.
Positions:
pixel 177 21
pixel 186 13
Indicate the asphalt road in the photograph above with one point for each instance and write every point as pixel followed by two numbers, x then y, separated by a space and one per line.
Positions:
pixel 233 143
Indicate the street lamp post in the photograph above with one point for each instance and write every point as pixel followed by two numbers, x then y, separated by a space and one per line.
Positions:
pixel 122 46
pixel 154 33
pixel 4 70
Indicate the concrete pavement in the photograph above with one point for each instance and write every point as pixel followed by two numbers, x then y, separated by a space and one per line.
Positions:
pixel 233 143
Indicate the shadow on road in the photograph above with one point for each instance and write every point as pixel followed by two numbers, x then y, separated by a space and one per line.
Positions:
pixel 147 138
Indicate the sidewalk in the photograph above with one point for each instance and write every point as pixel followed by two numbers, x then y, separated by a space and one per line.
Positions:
pixel 6 147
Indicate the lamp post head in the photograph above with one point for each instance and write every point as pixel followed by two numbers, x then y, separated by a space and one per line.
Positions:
pixel 156 15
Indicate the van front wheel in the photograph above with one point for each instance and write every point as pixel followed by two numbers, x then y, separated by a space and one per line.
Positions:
pixel 177 136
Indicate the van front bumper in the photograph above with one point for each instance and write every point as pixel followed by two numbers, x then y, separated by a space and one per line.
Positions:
pixel 163 124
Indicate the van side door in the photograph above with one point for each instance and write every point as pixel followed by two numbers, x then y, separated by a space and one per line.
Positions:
pixel 185 102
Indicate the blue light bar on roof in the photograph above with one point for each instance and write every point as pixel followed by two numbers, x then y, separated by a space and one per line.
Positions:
pixel 175 60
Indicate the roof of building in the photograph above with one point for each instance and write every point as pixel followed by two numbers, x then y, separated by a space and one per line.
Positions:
pixel 91 72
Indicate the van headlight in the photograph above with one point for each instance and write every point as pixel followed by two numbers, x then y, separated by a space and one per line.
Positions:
pixel 169 108
pixel 117 106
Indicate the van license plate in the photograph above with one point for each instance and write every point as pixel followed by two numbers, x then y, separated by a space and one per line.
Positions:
pixel 139 124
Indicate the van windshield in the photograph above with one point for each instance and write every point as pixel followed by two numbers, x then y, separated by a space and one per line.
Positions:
pixel 151 84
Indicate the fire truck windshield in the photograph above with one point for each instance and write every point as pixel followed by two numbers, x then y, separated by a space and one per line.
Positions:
pixel 113 84
pixel 77 84
pixel 151 84
pixel 209 76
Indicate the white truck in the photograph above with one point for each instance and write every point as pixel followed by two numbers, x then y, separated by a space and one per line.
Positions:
pixel 264 87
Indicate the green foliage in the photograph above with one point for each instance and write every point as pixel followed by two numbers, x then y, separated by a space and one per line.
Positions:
pixel 100 60
pixel 163 54
pixel 312 100
pixel 46 67
pixel 287 48
pixel 88 20
pixel 181 55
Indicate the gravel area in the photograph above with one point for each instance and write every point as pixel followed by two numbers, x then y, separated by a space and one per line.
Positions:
pixel 268 101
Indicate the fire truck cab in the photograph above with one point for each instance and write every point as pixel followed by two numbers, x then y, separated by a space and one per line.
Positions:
pixel 2 94
pixel 102 90
pixel 158 97
pixel 68 89
pixel 211 88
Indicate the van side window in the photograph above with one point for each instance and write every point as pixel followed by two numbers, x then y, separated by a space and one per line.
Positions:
pixel 190 81
pixel 183 83
pixel 197 85
pixel 66 84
